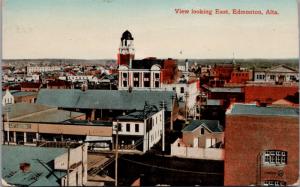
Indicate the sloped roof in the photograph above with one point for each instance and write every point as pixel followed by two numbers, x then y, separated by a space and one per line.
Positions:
pixel 103 99
pixel 252 109
pixel 30 112
pixel 39 158
pixel 211 125
pixel 282 68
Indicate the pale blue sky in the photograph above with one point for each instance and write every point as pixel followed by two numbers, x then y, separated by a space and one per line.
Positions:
pixel 91 29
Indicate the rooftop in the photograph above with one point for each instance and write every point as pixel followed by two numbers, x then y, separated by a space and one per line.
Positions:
pixel 211 125
pixel 18 93
pixel 252 109
pixel 224 89
pixel 103 99
pixel 41 171
pixel 26 112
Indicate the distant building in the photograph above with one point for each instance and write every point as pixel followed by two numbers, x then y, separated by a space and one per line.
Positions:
pixel 227 95
pixel 202 139
pixel 267 93
pixel 59 84
pixel 44 166
pixel 261 145
pixel 41 69
pixel 30 86
pixel 222 71
pixel 278 74
pixel 240 77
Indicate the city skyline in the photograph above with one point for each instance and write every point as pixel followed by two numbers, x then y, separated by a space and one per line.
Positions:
pixel 92 29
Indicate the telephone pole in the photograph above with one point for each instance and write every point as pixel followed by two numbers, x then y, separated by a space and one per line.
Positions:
pixel 116 153
pixel 162 106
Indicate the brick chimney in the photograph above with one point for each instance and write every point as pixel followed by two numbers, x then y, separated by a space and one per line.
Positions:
pixel 24 167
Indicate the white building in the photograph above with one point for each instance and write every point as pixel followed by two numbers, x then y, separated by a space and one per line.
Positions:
pixel 80 78
pixel 40 69
pixel 140 129
pixel 33 78
pixel 139 78
pixel 8 98
pixel 279 73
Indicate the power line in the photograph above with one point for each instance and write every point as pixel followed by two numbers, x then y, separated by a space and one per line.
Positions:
pixel 172 169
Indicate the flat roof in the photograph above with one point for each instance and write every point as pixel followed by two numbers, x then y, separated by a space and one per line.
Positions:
pixel 252 109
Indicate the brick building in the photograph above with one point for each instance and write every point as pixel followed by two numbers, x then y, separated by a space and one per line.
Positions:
pixel 268 93
pixel 261 145
pixel 240 76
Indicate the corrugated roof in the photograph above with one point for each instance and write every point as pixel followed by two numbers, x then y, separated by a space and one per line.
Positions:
pixel 40 172
pixel 211 125
pixel 251 109
pixel 103 99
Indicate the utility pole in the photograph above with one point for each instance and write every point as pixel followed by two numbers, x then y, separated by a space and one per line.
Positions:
pixel 116 154
pixel 172 107
pixel 186 108
pixel 68 166
pixel 163 105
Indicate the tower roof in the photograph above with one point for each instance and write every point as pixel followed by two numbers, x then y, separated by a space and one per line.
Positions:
pixel 126 36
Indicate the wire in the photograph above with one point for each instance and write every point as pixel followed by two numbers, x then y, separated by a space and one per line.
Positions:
pixel 172 169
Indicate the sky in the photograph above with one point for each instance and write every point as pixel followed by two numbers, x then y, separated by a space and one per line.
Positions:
pixel 91 29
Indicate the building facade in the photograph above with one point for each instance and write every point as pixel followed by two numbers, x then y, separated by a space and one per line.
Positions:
pixel 278 74
pixel 261 145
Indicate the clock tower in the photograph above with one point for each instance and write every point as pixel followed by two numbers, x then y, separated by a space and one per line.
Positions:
pixel 126 49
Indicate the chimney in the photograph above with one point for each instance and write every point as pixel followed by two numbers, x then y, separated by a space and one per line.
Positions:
pixel 24 167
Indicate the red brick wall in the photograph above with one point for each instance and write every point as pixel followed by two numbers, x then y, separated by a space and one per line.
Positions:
pixel 169 71
pixel 124 59
pixel 264 93
pixel 240 77
pixel 246 137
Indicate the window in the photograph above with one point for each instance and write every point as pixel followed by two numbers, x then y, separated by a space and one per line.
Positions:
pixel 272 77
pixel 182 90
pixel 202 130
pixel 275 157
pixel 124 83
pixel 137 128
pixel 127 127
pixel 146 79
pixel 292 77
pixel 119 127
pixel 274 183
pixel 156 75
pixel 136 82
pixel 124 75
pixel 174 88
